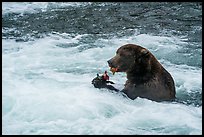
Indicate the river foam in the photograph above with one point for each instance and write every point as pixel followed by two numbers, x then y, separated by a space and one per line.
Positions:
pixel 47 89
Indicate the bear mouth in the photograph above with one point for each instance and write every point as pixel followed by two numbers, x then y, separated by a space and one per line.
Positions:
pixel 113 70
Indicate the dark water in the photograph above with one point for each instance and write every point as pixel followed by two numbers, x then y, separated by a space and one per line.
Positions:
pixel 158 18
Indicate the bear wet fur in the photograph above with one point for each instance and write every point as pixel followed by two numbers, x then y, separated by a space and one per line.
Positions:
pixel 146 77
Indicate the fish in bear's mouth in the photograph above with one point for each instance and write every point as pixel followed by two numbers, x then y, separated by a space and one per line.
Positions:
pixel 113 70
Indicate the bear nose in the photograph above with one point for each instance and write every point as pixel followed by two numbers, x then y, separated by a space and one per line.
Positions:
pixel 109 62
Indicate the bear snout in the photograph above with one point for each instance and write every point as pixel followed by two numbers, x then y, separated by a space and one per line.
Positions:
pixel 110 62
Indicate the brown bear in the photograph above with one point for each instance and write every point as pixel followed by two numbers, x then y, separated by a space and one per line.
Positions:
pixel 146 77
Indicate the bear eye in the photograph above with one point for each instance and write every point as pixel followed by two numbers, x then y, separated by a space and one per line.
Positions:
pixel 127 49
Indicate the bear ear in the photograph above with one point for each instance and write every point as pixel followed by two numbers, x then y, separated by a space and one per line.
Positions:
pixel 144 53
